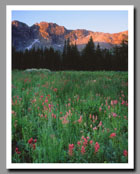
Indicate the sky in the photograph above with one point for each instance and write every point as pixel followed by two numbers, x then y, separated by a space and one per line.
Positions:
pixel 101 21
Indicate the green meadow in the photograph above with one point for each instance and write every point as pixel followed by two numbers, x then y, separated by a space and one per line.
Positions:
pixel 69 117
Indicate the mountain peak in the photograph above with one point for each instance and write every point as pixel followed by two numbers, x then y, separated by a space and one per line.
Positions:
pixel 17 23
pixel 45 34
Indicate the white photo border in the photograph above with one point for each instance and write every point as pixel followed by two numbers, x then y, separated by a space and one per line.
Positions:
pixel 130 164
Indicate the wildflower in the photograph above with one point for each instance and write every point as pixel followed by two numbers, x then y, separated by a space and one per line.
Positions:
pixel 125 153
pixel 34 146
pixel 35 140
pixel 115 102
pixel 82 149
pixel 100 109
pixel 100 124
pixel 55 89
pixel 41 96
pixel 114 114
pixel 80 119
pixel 123 102
pixel 17 151
pixel 87 138
pixel 34 100
pixel 108 107
pixel 71 147
pixel 85 142
pixel 96 147
pixel 46 101
pixel 65 121
pixel 30 140
pixel 112 102
pixel 78 143
pixel 125 117
pixel 112 135
pixel 91 141
pixel 90 116
pixel 95 128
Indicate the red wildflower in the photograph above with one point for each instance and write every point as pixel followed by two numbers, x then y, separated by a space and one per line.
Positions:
pixel 82 149
pixel 55 89
pixel 78 143
pixel 115 102
pixel 91 141
pixel 100 109
pixel 46 101
pixel 123 102
pixel 100 124
pixel 96 147
pixel 71 147
pixel 125 153
pixel 85 142
pixel 80 119
pixel 30 140
pixel 90 116
pixel 112 102
pixel 16 150
pixel 35 140
pixel 95 128
pixel 112 135
pixel 34 146
pixel 114 114
pixel 125 117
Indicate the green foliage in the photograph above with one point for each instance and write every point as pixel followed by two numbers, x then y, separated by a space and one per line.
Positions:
pixel 90 58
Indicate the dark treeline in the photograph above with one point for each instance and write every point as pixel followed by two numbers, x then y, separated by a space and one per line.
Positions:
pixel 90 58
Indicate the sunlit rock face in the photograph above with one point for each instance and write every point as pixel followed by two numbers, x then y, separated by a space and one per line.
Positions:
pixel 48 35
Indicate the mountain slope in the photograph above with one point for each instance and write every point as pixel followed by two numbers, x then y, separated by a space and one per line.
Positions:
pixel 46 34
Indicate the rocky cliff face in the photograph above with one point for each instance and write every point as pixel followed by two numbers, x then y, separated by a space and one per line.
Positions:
pixel 45 34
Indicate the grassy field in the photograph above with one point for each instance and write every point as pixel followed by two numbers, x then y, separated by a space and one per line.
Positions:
pixel 69 117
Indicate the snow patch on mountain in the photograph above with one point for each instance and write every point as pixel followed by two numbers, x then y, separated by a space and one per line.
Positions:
pixel 30 46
